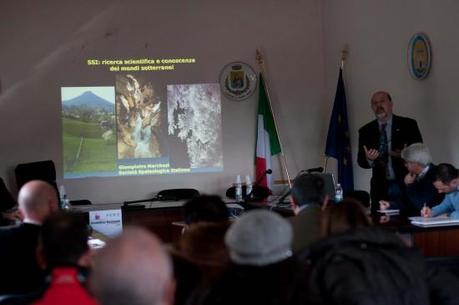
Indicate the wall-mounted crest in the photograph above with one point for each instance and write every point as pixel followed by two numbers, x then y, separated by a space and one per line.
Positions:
pixel 419 56
pixel 238 81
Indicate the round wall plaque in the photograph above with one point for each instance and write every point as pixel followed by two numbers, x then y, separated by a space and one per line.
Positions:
pixel 238 81
pixel 419 56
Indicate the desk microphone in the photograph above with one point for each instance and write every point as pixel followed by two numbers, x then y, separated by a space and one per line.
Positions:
pixel 285 195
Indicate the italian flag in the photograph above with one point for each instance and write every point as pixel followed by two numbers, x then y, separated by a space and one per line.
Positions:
pixel 267 140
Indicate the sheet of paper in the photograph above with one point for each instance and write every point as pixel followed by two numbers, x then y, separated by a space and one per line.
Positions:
pixel 434 221
pixel 107 222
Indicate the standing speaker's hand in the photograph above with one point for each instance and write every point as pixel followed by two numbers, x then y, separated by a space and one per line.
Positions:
pixel 371 153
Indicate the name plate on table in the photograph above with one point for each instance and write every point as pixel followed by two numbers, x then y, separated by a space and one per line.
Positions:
pixel 107 222
pixel 439 221
pixel 389 212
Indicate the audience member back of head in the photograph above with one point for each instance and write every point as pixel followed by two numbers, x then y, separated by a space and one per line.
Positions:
pixel 199 256
pixel 63 250
pixel 133 269
pixel 263 270
pixel 343 216
pixel 308 195
pixel 366 265
pixel 20 272
pixel 208 208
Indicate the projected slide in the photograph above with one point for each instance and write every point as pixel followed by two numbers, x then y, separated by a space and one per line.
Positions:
pixel 142 125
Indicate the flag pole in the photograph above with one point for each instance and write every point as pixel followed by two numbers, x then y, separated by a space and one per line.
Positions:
pixel 344 53
pixel 260 62
pixel 325 163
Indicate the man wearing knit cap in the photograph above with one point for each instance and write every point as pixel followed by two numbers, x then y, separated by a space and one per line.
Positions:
pixel 263 270
pixel 259 238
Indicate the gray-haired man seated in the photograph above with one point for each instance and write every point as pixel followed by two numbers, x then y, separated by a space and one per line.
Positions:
pixel 420 190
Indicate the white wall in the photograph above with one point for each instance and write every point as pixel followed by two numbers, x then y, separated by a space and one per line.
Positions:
pixel 377 34
pixel 45 42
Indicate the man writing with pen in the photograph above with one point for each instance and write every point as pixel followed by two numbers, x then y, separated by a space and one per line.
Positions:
pixel 446 182
pixel 419 180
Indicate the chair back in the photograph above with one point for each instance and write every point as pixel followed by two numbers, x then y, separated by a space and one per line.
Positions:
pixel 6 199
pixel 41 170
pixel 177 194
pixel 80 202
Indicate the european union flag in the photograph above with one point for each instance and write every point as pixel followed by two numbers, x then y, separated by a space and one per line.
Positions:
pixel 338 141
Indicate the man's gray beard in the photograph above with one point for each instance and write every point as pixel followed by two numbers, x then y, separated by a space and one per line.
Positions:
pixel 381 116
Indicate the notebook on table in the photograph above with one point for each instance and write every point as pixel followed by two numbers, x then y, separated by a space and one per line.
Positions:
pixel 438 221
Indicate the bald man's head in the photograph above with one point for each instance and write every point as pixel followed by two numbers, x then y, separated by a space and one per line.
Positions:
pixel 37 200
pixel 133 269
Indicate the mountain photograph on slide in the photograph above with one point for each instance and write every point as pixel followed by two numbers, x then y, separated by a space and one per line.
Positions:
pixel 89 131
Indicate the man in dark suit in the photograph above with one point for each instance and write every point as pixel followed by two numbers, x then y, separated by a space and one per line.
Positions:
pixel 19 270
pixel 380 144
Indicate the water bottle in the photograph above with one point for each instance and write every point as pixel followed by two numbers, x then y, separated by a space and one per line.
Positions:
pixel 238 190
pixel 248 187
pixel 338 193
pixel 66 205
pixel 65 202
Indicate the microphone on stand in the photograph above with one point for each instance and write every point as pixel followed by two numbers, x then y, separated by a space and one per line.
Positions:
pixel 283 196
pixel 319 169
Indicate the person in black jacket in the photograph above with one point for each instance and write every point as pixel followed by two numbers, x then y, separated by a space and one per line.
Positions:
pixel 365 266
pixel 19 269
pixel 380 144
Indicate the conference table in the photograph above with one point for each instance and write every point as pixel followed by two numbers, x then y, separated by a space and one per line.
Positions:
pixel 161 217
pixel 164 218
pixel 432 241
